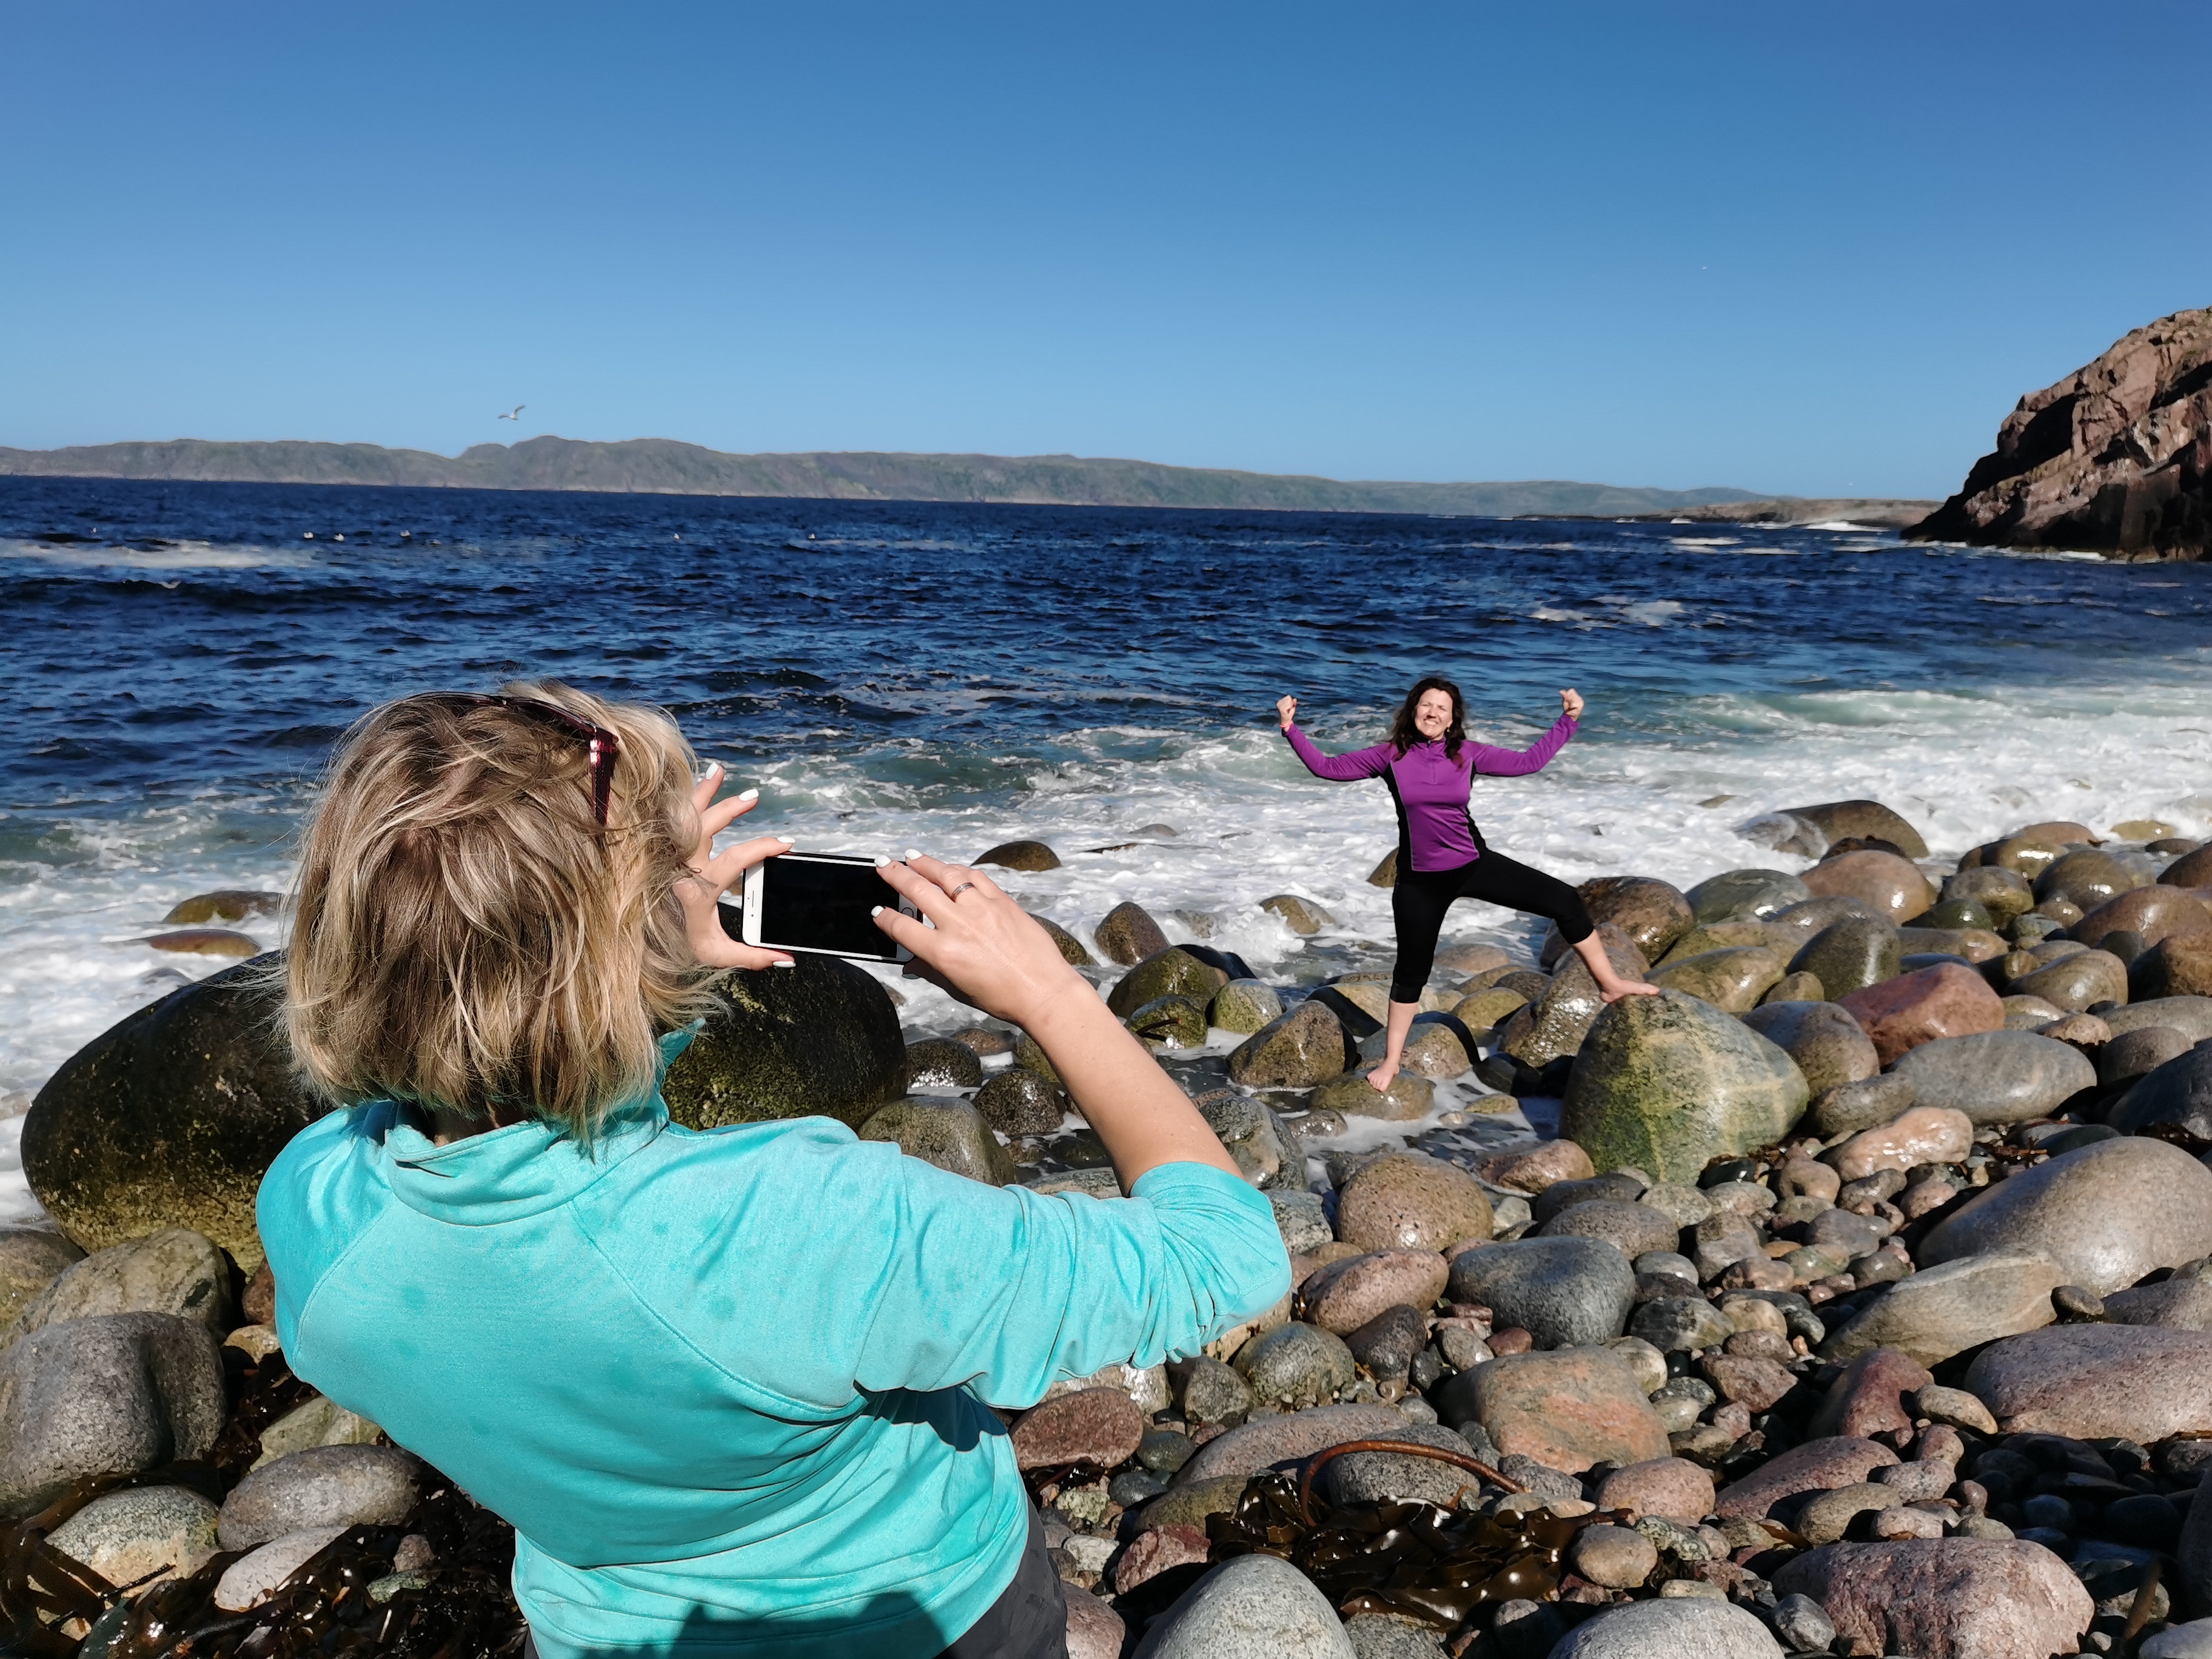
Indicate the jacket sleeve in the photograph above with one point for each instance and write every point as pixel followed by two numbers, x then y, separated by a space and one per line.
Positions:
pixel 1517 762
pixel 1338 769
pixel 1008 1291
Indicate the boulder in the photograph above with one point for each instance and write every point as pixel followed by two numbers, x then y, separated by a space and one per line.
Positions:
pixel 1976 943
pixel 1554 1025
pixel 2089 877
pixel 2179 1093
pixel 1945 1001
pixel 31 1258
pixel 2153 914
pixel 1297 1365
pixel 1095 1631
pixel 1401 1477
pixel 2106 1213
pixel 818 1039
pixel 2180 1304
pixel 128 1537
pixel 1944 1310
pixel 321 1421
pixel 1019 1101
pixel 1671 1627
pixel 254 1577
pixel 1869 1398
pixel 1891 887
pixel 326 1486
pixel 1850 954
pixel 1244 1006
pixel 1814 1466
pixel 1741 933
pixel 1256 1607
pixel 1021 856
pixel 1925 1135
pixel 1171 972
pixel 1407 1201
pixel 1567 1409
pixel 1744 893
pixel 1827 1045
pixel 2177 967
pixel 1300 1050
pixel 947 1132
pixel 1652 913
pixel 1267 1153
pixel 2002 894
pixel 1169 1023
pixel 1301 915
pixel 1630 1228
pixel 1861 820
pixel 1275 1440
pixel 1099 1427
pixel 174 1271
pixel 1531 1168
pixel 1072 950
pixel 1344 1294
pixel 1673 1488
pixel 2080 980
pixel 1564 1292
pixel 1667 1082
pixel 1127 935
pixel 171 1117
pixel 110 1395
pixel 1732 981
pixel 1996 1077
pixel 1409 1096
pixel 1868 1104
pixel 1302 1219
pixel 1945 1598
pixel 940 1064
pixel 2138 1382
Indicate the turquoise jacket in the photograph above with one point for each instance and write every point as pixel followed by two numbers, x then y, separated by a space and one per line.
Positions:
pixel 730 1388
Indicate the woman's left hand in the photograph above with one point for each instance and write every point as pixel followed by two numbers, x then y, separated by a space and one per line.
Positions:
pixel 712 875
pixel 1571 701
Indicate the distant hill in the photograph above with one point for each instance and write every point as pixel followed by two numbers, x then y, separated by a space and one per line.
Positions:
pixel 662 466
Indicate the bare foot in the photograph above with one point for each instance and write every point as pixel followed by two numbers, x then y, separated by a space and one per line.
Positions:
pixel 1382 1078
pixel 1628 987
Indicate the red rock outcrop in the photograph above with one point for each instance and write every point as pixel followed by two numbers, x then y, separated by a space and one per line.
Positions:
pixel 2117 457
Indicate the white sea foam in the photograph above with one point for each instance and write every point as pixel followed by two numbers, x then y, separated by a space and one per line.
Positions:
pixel 176 556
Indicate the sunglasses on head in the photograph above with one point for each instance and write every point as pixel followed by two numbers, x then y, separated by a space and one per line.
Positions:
pixel 604 745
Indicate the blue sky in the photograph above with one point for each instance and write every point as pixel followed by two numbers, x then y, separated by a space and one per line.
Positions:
pixel 1806 249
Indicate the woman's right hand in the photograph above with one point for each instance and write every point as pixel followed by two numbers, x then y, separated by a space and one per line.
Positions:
pixel 1288 708
pixel 983 948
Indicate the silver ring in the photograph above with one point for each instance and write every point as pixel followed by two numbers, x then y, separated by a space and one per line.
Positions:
pixel 961 889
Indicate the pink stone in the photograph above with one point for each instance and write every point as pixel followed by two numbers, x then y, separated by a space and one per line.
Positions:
pixel 1944 1001
pixel 1947 1598
pixel 1673 1488
pixel 1757 1384
pixel 1893 886
pixel 1150 1554
pixel 1095 1631
pixel 1868 1399
pixel 1100 1427
pixel 1816 1466
pixel 1532 1169
pixel 1343 1295
pixel 1924 1134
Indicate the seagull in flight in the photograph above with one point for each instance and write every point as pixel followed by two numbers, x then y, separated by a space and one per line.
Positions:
pixel 516 415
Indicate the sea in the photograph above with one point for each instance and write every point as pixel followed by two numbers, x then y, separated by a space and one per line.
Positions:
pixel 178 660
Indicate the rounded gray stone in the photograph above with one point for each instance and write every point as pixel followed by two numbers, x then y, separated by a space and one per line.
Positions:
pixel 1302 1219
pixel 1296 1364
pixel 1632 1229
pixel 1744 893
pixel 1996 1077
pixel 1385 1477
pixel 1564 1292
pixel 1672 1627
pixel 1829 1046
pixel 1256 1607
pixel 324 1486
pixel 173 1271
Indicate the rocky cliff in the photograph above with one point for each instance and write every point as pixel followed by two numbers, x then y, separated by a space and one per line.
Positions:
pixel 2117 457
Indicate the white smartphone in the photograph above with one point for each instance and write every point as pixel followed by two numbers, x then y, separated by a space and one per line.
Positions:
pixel 821 904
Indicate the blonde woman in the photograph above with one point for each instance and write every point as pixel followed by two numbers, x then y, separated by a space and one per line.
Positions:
pixel 733 1389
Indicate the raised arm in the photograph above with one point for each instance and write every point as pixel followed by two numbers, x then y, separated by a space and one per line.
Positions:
pixel 1517 762
pixel 1337 769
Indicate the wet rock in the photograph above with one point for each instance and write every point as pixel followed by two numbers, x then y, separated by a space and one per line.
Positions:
pixel 1869 1399
pixel 817 1039
pixel 1673 1488
pixel 1387 1477
pixel 1732 981
pixel 2179 1092
pixel 1997 1076
pixel 1822 1465
pixel 1631 1229
pixel 327 1486
pixel 1672 1627
pixel 1302 1219
pixel 1829 1046
pixel 946 1131
pixel 2004 894
pixel 1945 1000
pixel 1244 1006
pixel 1301 915
pixel 1097 1426
pixel 129 1536
pixel 1492 1006
pixel 1652 913
pixel 1564 1292
pixel 1407 1201
pixel 2107 1214
pixel 1409 1097
pixel 1211 1392
pixel 31 1259
pixel 1127 934
pixel 1553 1026
pixel 1245 1451
pixel 1868 1104
pixel 1891 887
pixel 1434 1049
pixel 254 1578
pixel 1567 1409
pixel 1256 1607
pixel 2153 914
pixel 2180 966
pixel 1742 933
pixel 1667 1082
pixel 1926 1134
pixel 1028 855
pixel 1850 953
pixel 1019 1101
pixel 1169 1023
pixel 1945 1309
pixel 2138 1382
pixel 1301 1050
pixel 1744 893
pixel 1169 972
pixel 2088 877
pixel 170 1118
pixel 1345 1295
pixel 940 1064
pixel 1952 1598
pixel 1267 1153
pixel 2077 981
pixel 1533 1168
pixel 1859 820
pixel 111 1394
pixel 224 904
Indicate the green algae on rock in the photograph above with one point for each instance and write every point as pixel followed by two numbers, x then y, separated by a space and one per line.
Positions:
pixel 819 1039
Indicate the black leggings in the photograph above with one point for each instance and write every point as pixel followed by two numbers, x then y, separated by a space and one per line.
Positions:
pixel 1419 900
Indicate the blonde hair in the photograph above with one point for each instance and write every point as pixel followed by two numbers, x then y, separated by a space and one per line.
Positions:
pixel 468 936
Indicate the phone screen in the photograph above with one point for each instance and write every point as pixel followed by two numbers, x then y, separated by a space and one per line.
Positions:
pixel 823 904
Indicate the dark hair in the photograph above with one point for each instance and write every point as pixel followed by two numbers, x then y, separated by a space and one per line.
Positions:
pixel 1403 732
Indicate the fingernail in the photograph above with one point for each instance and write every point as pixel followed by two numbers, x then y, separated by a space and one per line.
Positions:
pixel 713 766
pixel 882 862
pixel 750 795
pixel 912 853
pixel 876 911
pixel 785 840
pixel 785 962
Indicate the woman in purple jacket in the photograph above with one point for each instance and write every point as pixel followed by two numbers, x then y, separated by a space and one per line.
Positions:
pixel 1429 768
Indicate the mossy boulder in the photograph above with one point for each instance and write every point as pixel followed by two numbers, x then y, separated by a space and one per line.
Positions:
pixel 1301 915
pixel 1020 1102
pixel 1666 1084
pixel 1851 954
pixel 1127 934
pixel 818 1039
pixel 1654 913
pixel 1244 1006
pixel 1072 949
pixel 1554 1024
pixel 950 1133
pixel 1021 856
pixel 171 1117
pixel 1168 972
pixel 937 1064
pixel 1170 1022
pixel 1301 1050
pixel 1732 979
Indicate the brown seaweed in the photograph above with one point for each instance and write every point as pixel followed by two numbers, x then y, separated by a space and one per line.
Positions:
pixel 1415 1559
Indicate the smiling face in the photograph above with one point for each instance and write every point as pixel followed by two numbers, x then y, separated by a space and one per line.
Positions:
pixel 1432 716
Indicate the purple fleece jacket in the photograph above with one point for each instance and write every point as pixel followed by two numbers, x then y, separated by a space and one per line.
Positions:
pixel 1432 792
